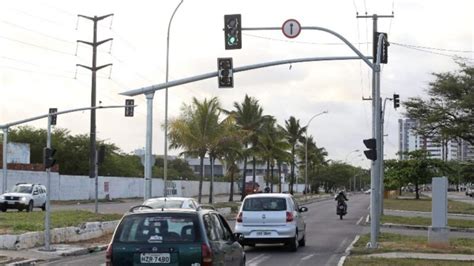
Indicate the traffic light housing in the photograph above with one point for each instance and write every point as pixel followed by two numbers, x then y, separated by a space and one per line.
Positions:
pixel 53 117
pixel 385 44
pixel 129 108
pixel 101 154
pixel 233 31
pixel 396 101
pixel 371 145
pixel 225 72
pixel 48 157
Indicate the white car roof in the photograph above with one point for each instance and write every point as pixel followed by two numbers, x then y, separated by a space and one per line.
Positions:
pixel 171 198
pixel 269 195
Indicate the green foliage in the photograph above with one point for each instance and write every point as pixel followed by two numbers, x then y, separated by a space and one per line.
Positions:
pixel 294 135
pixel 337 175
pixel 448 113
pixel 177 169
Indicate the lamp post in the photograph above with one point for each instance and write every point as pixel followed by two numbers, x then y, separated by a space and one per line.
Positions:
pixel 306 153
pixel 347 156
pixel 165 159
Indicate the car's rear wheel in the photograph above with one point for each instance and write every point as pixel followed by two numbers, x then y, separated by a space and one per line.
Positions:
pixel 293 244
pixel 30 206
pixel 302 242
pixel 3 209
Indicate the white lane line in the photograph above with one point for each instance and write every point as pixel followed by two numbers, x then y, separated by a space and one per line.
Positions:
pixel 308 257
pixel 257 260
pixel 360 220
pixel 348 250
pixel 367 219
pixel 343 243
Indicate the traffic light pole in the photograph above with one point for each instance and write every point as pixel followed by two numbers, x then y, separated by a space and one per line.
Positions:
pixel 47 226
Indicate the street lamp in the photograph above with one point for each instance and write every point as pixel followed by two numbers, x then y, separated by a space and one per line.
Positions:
pixel 347 156
pixel 306 153
pixel 165 159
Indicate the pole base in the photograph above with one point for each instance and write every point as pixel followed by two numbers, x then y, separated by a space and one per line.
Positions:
pixel 44 249
pixel 438 235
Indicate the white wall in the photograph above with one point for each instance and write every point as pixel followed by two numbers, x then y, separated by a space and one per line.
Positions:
pixel 67 187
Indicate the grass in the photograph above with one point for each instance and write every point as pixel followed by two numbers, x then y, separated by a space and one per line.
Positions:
pixel 424 205
pixel 353 261
pixel 401 243
pixel 21 222
pixel 426 221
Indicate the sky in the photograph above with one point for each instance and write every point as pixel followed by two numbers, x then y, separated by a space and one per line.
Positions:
pixel 39 53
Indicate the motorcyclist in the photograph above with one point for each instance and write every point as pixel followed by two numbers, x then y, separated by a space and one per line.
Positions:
pixel 341 197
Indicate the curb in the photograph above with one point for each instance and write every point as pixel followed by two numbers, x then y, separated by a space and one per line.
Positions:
pixel 425 227
pixel 420 212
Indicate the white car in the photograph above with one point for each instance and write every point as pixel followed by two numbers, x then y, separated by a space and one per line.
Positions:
pixel 271 218
pixel 24 196
pixel 171 202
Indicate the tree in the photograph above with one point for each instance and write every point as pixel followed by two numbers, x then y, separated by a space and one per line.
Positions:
pixel 336 175
pixel 248 117
pixel 316 160
pixel 193 129
pixel 294 135
pixel 448 113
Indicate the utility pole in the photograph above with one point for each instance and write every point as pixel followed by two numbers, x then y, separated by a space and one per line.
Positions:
pixel 376 133
pixel 93 69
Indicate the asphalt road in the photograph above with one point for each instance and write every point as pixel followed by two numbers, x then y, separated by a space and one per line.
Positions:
pixel 326 240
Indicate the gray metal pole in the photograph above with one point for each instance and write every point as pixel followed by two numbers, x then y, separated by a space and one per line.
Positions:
pixel 96 185
pixel 48 195
pixel 4 156
pixel 165 159
pixel 148 146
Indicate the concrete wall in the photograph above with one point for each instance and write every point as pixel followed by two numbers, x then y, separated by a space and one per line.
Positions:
pixel 67 187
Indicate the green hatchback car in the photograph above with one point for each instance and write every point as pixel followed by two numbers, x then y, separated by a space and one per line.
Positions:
pixel 191 237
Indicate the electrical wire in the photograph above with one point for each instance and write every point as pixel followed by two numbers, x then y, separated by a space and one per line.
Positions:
pixel 35 31
pixel 35 45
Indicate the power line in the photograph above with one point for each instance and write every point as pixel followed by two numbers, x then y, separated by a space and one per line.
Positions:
pixel 432 48
pixel 35 31
pixel 35 45
pixel 293 41
pixel 431 52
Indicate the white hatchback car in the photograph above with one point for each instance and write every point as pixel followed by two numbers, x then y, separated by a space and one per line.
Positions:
pixel 171 202
pixel 271 218
pixel 24 196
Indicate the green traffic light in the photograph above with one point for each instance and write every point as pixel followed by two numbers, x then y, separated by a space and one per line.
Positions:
pixel 231 40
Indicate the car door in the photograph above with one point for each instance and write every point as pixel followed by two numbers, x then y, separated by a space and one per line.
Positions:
pixel 36 196
pixel 218 255
pixel 235 250
pixel 299 218
pixel 226 244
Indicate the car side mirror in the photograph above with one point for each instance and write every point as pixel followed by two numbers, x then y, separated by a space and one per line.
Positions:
pixel 35 193
pixel 303 209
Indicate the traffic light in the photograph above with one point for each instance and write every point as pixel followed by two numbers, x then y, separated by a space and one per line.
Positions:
pixel 48 157
pixel 53 117
pixel 371 145
pixel 129 108
pixel 225 72
pixel 396 101
pixel 385 44
pixel 233 31
pixel 101 154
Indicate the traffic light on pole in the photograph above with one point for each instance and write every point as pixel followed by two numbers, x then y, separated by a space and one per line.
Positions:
pixel 129 107
pixel 53 117
pixel 225 72
pixel 396 101
pixel 385 44
pixel 101 154
pixel 48 157
pixel 371 145
pixel 233 31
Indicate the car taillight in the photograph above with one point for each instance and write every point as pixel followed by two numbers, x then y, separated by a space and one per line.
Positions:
pixel 206 255
pixel 289 217
pixel 108 255
pixel 239 217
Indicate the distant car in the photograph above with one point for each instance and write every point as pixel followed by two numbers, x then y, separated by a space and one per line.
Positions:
pixel 470 191
pixel 251 188
pixel 367 191
pixel 24 196
pixel 271 218
pixel 199 236
pixel 171 202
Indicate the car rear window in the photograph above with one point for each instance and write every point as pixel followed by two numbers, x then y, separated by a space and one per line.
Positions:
pixel 264 204
pixel 157 204
pixel 158 228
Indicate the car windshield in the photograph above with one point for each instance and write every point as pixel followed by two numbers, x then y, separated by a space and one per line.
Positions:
pixel 158 228
pixel 156 204
pixel 22 189
pixel 264 204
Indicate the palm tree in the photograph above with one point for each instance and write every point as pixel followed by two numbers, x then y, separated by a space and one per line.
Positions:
pixel 316 158
pixel 194 129
pixel 295 135
pixel 248 117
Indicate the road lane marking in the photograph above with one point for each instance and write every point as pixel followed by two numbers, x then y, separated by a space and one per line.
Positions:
pixel 308 257
pixel 257 260
pixel 343 243
pixel 348 250
pixel 360 220
pixel 367 219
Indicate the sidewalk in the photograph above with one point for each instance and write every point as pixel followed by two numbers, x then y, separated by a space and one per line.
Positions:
pixel 426 256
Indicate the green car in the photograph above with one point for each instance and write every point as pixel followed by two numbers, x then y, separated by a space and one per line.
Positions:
pixel 193 237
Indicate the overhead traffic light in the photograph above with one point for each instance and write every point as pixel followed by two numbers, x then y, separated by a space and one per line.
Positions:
pixel 371 145
pixel 225 72
pixel 101 154
pixel 53 117
pixel 48 157
pixel 385 44
pixel 396 101
pixel 129 108
pixel 233 31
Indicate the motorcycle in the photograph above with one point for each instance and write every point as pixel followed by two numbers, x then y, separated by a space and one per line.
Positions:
pixel 341 208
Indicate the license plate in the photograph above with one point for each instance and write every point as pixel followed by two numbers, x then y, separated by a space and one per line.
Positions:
pixel 264 233
pixel 155 258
